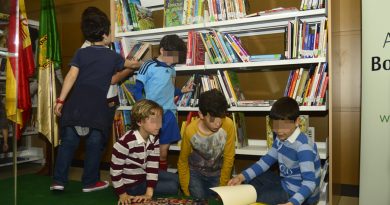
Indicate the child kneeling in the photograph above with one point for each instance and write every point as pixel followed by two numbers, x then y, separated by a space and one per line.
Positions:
pixel 135 158
pixel 298 159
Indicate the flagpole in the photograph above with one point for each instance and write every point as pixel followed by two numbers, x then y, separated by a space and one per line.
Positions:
pixel 16 132
pixel 51 64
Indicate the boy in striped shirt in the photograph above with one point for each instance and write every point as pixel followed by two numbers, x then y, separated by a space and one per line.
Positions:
pixel 298 158
pixel 135 158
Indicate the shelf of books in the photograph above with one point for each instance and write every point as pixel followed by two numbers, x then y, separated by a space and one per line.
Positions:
pixel 271 22
pixel 259 148
pixel 252 109
pixel 252 65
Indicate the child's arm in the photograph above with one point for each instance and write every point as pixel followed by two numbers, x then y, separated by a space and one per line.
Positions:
pixel 130 67
pixel 228 153
pixel 152 161
pixel 66 87
pixel 306 158
pixel 119 153
pixel 146 197
pixel 263 164
pixel 182 163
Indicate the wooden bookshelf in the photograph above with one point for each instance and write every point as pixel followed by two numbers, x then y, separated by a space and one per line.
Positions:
pixel 254 26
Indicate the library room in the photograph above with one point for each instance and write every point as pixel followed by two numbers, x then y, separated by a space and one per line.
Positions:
pixel 221 102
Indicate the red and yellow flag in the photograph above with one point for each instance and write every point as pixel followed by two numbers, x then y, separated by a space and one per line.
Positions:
pixel 20 67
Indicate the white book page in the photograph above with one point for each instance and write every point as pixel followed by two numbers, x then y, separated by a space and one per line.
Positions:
pixel 243 194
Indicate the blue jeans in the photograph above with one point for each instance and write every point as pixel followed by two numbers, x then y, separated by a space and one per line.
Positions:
pixel 269 188
pixel 167 184
pixel 200 185
pixel 94 147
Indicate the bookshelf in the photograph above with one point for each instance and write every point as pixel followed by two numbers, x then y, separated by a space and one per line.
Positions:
pixel 25 152
pixel 256 26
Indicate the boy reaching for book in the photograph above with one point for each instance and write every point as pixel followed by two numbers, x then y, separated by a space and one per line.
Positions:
pixel 135 158
pixel 298 158
pixel 207 148
pixel 156 78
pixel 82 104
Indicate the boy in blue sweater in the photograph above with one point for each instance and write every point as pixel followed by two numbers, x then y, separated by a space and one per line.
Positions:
pixel 298 158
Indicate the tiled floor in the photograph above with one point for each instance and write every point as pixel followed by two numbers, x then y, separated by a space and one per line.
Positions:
pixel 75 174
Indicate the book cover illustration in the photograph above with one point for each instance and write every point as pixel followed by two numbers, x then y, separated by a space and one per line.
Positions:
pixel 144 18
pixel 173 201
pixel 173 12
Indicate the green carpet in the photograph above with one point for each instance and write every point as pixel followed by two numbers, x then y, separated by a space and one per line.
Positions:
pixel 34 189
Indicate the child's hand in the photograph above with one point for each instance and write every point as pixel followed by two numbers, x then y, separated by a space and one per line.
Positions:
pixel 141 198
pixel 236 180
pixel 57 109
pixel 187 88
pixel 124 199
pixel 135 64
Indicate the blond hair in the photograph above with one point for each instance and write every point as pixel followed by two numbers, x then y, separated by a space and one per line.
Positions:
pixel 143 109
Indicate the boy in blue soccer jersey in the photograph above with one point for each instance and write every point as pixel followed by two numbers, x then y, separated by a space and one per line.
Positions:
pixel 298 158
pixel 156 78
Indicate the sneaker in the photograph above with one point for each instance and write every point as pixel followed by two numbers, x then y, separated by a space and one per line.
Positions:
pixel 98 186
pixel 56 187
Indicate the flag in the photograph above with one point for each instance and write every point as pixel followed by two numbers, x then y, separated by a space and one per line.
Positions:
pixel 49 60
pixel 19 68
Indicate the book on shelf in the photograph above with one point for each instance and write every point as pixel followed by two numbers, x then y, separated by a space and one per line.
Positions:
pixel 265 57
pixel 305 39
pixel 240 127
pixel 140 51
pixel 130 15
pixel 195 49
pixel 143 18
pixel 269 133
pixel 255 103
pixel 308 87
pixel 173 12
pixel 219 48
pixel 312 4
pixel 279 10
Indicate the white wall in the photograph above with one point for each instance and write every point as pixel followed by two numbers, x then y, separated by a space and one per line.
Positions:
pixel 375 135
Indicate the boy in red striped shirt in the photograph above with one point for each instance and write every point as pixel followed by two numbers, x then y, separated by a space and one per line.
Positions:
pixel 135 158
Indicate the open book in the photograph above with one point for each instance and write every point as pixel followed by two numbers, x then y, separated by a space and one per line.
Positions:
pixel 243 194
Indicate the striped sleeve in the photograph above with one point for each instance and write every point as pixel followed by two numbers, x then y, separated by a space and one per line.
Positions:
pixel 152 163
pixel 119 154
pixel 144 71
pixel 306 158
pixel 262 165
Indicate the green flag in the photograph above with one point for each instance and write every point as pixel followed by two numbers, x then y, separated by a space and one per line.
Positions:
pixel 49 59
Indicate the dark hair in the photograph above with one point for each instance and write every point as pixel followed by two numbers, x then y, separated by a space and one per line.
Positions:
pixel 174 43
pixel 213 102
pixel 142 109
pixel 94 24
pixel 285 108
